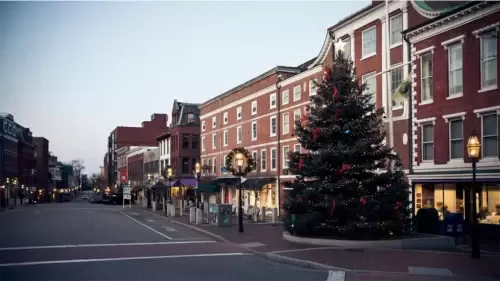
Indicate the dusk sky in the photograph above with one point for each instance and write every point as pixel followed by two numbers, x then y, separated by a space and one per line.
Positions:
pixel 73 71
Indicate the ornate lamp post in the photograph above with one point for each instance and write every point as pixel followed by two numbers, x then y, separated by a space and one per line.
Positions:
pixel 170 178
pixel 197 170
pixel 239 159
pixel 474 152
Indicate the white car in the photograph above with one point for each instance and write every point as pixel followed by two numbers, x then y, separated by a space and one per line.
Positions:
pixel 84 197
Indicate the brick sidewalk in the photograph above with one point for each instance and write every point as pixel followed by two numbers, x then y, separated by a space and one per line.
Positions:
pixel 267 239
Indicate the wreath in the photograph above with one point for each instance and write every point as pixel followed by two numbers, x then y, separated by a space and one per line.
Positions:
pixel 230 161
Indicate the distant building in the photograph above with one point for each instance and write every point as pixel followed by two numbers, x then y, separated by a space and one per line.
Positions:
pixel 42 162
pixel 8 148
pixel 164 145
pixel 133 136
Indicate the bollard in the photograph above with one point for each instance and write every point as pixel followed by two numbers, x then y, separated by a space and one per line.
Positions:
pixel 172 210
pixel 169 210
pixel 275 215
pixel 192 215
pixel 262 213
pixel 199 216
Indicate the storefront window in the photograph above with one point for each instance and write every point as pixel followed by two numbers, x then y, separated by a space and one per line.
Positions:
pixel 450 198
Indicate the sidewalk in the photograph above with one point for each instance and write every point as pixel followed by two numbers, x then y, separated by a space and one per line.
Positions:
pixel 360 264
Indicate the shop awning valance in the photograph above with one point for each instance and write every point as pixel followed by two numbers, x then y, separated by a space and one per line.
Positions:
pixel 257 183
pixel 233 181
pixel 208 188
pixel 185 182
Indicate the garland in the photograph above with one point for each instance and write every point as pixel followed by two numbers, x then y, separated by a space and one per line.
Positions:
pixel 230 161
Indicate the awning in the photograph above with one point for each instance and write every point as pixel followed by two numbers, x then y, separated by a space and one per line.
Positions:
pixel 208 188
pixel 227 181
pixel 185 182
pixel 159 185
pixel 257 183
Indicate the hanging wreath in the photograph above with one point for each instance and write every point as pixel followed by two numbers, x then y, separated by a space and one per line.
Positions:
pixel 230 161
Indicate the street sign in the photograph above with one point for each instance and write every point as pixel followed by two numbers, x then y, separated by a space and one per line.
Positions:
pixel 126 192
pixel 243 179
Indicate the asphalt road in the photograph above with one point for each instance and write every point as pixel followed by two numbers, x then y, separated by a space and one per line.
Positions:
pixel 82 241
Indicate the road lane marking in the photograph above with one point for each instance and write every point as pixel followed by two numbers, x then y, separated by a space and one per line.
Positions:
pixel 168 228
pixel 123 259
pixel 149 220
pixel 334 275
pixel 146 226
pixel 306 249
pixel 134 214
pixel 106 245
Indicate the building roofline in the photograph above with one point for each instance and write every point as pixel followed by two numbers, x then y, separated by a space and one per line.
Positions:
pixel 288 69
pixel 164 136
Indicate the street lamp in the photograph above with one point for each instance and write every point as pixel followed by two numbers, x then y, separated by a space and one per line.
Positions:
pixel 197 170
pixel 240 160
pixel 474 151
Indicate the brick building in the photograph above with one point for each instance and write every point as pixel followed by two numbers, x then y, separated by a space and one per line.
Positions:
pixel 455 91
pixel 8 148
pixel 42 179
pixel 184 138
pixel 133 136
pixel 26 158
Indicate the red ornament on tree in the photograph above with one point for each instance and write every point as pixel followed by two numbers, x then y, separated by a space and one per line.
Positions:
pixel 398 205
pixel 335 92
pixel 301 164
pixel 344 168
pixel 315 133
pixel 333 208
pixel 325 74
pixel 362 201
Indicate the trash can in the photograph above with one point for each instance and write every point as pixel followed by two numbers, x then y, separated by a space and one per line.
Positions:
pixel 453 224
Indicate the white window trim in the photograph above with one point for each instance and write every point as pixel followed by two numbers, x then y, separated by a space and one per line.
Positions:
pixel 371 75
pixel 239 113
pixel 203 126
pixel 262 160
pixel 271 134
pixel 295 111
pixel 390 30
pixel 433 123
pixel 238 130
pixel 226 118
pixel 271 159
pixel 214 122
pixel 272 97
pixel 254 158
pixel 369 55
pixel 421 54
pixel 295 146
pixel 312 87
pixel 480 35
pixel 225 136
pixel 300 92
pixel 285 93
pixel 214 143
pixel 254 138
pixel 448 43
pixel 285 127
pixel 203 143
pixel 254 106
pixel 394 67
pixel 489 158
pixel 284 155
pixel 449 120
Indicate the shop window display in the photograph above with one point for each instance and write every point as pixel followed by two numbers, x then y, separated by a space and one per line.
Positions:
pixel 450 198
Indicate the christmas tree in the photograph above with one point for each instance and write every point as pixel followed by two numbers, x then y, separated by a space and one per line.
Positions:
pixel 348 184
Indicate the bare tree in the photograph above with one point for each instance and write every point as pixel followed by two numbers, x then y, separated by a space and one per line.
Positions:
pixel 78 167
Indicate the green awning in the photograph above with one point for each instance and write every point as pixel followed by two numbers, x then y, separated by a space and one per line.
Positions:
pixel 227 181
pixel 257 183
pixel 208 187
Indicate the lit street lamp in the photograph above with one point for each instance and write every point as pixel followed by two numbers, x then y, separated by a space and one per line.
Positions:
pixel 474 151
pixel 197 170
pixel 239 159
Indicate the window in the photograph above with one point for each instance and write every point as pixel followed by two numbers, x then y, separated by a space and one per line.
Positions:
pixel 254 107
pixel 214 121
pixel 254 157
pixel 396 79
pixel 369 38
pixel 489 73
pixel 286 150
pixel 296 147
pixel 214 141
pixel 371 85
pixel 272 101
pixel 312 87
pixel 296 93
pixel 272 126
pixel 286 123
pixel 225 118
pixel 263 160
pixel 191 118
pixel 426 88
pixel 427 142
pixel 203 126
pixel 214 171
pixel 226 138
pixel 455 78
pixel 239 134
pixel 396 25
pixel 185 165
pixel 347 48
pixel 238 113
pixel 285 96
pixel 273 159
pixel 456 139
pixel 296 114
pixel 490 135
pixel 254 130
pixel 195 139
pixel 185 141
pixel 203 143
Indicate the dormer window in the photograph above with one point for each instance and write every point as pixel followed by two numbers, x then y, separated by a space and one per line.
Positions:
pixel 191 118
